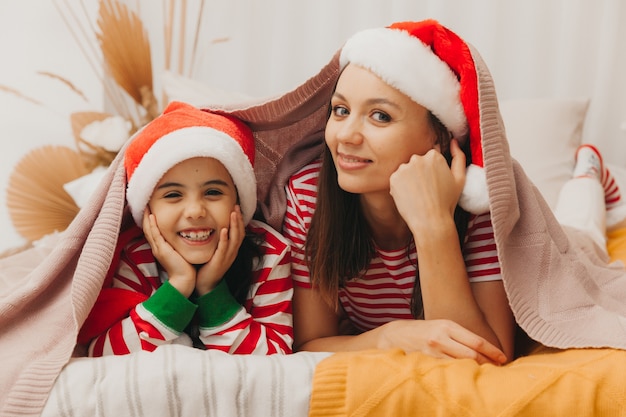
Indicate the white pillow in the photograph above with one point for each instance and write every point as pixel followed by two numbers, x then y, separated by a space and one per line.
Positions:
pixel 82 188
pixel 543 135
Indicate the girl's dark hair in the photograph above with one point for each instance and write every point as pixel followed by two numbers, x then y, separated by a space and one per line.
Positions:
pixel 339 245
pixel 239 276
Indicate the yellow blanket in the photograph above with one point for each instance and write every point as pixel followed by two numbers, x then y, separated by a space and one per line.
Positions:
pixel 616 244
pixel 549 382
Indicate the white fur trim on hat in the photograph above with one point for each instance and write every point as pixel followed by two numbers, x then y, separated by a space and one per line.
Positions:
pixel 186 143
pixel 404 62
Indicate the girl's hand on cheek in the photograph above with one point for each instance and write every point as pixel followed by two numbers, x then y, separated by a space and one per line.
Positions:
pixel 182 275
pixel 211 273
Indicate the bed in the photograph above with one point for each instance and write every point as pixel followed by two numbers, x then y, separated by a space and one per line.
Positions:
pixel 569 382
pixel 179 381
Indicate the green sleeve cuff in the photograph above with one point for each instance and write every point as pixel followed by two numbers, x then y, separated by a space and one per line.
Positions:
pixel 217 307
pixel 170 307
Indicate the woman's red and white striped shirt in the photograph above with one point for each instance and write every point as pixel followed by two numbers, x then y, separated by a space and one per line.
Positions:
pixel 384 292
pixel 262 326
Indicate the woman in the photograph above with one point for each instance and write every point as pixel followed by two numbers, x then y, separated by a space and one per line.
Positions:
pixel 379 240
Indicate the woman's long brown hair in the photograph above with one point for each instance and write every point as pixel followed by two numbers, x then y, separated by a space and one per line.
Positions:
pixel 339 245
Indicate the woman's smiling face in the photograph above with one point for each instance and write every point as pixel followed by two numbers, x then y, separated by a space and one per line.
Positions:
pixel 191 204
pixel 372 129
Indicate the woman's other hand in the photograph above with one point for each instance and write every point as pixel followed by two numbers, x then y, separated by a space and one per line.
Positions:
pixel 439 338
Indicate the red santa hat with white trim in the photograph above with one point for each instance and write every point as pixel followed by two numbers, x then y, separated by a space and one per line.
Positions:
pixel 182 132
pixel 434 67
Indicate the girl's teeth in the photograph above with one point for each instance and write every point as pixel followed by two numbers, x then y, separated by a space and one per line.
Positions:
pixel 196 235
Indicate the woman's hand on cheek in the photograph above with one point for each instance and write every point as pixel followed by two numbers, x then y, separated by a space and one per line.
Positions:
pixel 211 273
pixel 425 187
pixel 182 275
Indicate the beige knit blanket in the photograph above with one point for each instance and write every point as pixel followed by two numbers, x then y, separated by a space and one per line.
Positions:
pixel 560 292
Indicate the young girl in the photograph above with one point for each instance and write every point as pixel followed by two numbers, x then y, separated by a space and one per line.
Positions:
pixel 378 238
pixel 191 266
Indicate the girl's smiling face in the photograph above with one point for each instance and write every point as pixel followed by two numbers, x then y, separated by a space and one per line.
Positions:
pixel 192 202
pixel 372 129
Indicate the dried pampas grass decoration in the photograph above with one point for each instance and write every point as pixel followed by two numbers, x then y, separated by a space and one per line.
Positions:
pixel 66 82
pixel 126 50
pixel 93 156
pixel 37 202
pixel 13 91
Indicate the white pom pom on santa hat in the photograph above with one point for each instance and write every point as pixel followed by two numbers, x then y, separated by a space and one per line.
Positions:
pixel 433 66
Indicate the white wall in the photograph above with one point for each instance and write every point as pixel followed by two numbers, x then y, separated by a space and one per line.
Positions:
pixel 34 38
